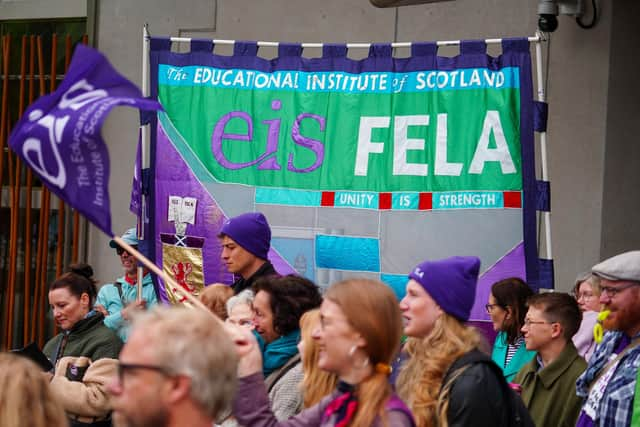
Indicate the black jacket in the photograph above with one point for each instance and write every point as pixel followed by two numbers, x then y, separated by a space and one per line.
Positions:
pixel 265 270
pixel 480 396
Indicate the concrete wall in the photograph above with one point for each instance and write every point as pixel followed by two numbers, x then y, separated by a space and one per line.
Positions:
pixel 620 231
pixel 591 91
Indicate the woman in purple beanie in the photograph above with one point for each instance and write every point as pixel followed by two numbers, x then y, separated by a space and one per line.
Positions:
pixel 446 380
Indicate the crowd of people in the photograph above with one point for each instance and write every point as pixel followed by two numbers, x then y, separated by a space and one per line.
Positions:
pixel 274 351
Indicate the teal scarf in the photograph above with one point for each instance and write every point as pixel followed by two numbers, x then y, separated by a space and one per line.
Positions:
pixel 278 352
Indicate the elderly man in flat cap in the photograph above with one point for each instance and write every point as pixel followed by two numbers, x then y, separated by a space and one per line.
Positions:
pixel 245 241
pixel 608 385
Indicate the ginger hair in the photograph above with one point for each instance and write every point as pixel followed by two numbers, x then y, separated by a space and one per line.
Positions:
pixel 316 383
pixel 372 310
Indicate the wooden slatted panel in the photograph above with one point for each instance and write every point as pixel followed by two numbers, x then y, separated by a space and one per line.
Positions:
pixel 27 270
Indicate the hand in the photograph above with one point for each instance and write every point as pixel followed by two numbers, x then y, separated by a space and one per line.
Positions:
pixel 48 376
pixel 250 357
pixel 100 309
pixel 134 306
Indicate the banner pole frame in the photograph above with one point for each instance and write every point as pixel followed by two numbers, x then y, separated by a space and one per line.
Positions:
pixel 536 39
pixel 546 216
pixel 144 149
pixel 533 39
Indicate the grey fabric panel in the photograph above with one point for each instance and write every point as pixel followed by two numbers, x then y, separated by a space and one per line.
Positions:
pixel 232 199
pixel 411 237
pixel 349 222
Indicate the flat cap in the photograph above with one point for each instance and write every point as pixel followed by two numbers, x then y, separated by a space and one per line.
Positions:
pixel 625 266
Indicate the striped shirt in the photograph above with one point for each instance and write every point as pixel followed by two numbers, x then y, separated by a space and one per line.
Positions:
pixel 512 348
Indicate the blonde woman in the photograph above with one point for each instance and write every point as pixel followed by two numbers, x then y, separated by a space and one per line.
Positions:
pixel 316 383
pixel 587 293
pixel 25 396
pixel 359 333
pixel 446 381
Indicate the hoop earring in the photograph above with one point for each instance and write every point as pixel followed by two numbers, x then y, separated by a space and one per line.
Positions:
pixel 352 351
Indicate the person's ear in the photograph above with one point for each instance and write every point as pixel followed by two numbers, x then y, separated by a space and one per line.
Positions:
pixel 85 301
pixel 179 388
pixel 509 312
pixel 556 330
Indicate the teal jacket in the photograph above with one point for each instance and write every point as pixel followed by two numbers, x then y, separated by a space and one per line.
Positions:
pixel 550 393
pixel 518 360
pixel 110 299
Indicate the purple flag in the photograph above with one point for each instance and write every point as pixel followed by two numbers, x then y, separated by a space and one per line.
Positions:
pixel 59 134
pixel 135 206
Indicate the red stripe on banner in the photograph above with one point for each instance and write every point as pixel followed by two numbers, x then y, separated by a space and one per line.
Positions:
pixel 512 199
pixel 328 198
pixel 384 201
pixel 425 202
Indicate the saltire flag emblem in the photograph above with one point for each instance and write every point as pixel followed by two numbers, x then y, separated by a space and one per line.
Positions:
pixel 59 134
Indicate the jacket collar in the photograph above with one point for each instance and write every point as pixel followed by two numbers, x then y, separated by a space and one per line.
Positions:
pixel 550 373
pixel 87 323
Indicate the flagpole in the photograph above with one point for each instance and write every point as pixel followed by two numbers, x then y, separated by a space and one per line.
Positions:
pixel 144 163
pixel 151 266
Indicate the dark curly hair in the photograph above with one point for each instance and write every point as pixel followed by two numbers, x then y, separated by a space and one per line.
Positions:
pixel 79 280
pixel 289 298
pixel 512 293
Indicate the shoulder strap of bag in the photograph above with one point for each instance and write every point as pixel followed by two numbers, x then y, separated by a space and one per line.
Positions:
pixel 272 379
pixel 118 286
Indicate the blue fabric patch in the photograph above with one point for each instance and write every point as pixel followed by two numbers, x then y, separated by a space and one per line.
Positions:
pixel 397 282
pixel 348 253
pixel 281 196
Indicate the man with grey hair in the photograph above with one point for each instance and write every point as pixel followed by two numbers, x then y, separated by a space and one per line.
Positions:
pixel 608 385
pixel 178 368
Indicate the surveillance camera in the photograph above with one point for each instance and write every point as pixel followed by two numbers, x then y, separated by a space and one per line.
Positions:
pixel 547 12
pixel 547 23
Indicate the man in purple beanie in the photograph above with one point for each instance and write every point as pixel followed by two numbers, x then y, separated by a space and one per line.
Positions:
pixel 245 243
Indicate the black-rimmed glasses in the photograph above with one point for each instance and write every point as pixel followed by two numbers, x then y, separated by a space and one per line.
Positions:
pixel 124 367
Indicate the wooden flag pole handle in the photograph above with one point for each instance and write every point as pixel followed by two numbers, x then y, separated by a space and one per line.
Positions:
pixel 151 266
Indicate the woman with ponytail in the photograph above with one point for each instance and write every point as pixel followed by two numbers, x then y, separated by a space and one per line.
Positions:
pixel 84 353
pixel 359 332
pixel 446 380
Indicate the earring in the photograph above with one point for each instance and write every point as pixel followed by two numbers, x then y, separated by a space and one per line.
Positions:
pixel 352 350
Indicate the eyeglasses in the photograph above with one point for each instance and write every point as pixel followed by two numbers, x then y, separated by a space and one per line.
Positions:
pixel 584 296
pixel 612 291
pixel 529 322
pixel 124 367
pixel 120 250
pixel 489 307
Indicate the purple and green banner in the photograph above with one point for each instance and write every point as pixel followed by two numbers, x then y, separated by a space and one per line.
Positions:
pixel 365 166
